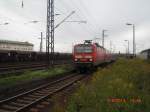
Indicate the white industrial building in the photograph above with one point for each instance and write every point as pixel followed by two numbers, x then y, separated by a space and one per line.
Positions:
pixel 15 45
pixel 145 54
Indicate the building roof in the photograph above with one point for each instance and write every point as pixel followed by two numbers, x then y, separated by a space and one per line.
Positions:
pixel 16 42
pixel 147 50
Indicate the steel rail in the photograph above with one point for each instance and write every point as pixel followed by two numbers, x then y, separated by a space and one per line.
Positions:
pixel 5 71
pixel 36 95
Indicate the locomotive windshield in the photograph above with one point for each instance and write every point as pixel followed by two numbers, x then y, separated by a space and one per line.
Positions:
pixel 83 49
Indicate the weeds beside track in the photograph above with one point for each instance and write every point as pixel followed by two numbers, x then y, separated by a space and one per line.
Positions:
pixel 7 71
pixel 122 87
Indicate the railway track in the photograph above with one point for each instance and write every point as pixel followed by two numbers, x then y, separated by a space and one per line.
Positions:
pixel 4 71
pixel 6 65
pixel 21 68
pixel 25 101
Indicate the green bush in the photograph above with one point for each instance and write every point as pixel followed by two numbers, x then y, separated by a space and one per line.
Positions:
pixel 126 80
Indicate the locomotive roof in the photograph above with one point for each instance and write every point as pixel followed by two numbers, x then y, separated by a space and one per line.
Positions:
pixel 99 45
pixel 96 44
pixel 15 42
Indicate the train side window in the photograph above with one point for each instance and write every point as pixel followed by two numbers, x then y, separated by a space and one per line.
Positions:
pixel 8 54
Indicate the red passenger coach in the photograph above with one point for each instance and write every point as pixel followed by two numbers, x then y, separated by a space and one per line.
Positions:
pixel 88 55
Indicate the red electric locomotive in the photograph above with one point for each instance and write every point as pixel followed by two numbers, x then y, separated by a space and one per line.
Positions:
pixel 88 55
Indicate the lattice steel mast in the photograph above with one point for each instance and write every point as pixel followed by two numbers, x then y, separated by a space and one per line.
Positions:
pixel 50 33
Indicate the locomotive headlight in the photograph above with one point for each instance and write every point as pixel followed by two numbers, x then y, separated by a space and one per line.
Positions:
pixel 91 59
pixel 75 59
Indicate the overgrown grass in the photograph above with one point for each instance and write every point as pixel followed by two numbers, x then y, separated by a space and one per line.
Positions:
pixel 33 75
pixel 123 87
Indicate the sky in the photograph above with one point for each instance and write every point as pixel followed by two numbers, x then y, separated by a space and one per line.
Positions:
pixel 111 15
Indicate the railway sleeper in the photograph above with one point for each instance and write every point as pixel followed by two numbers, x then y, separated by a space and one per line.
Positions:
pixel 2 110
pixel 45 91
pixel 35 96
pixel 29 98
pixel 34 110
pixel 42 93
pixel 45 103
pixel 39 94
pixel 10 107
pixel 17 104
pixel 23 101
pixel 40 106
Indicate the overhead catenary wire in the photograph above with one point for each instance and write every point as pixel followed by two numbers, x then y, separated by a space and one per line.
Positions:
pixel 90 29
pixel 86 16
pixel 87 12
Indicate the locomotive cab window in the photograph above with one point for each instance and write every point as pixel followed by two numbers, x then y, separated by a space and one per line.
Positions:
pixel 83 49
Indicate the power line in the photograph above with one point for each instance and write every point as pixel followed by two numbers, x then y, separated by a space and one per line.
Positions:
pixel 66 5
pixel 86 16
pixel 78 16
pixel 65 19
pixel 87 12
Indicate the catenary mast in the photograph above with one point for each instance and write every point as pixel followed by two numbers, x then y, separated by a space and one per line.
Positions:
pixel 50 33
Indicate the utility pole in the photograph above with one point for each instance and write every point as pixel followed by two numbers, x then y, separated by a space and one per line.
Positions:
pixel 103 37
pixel 22 4
pixel 41 42
pixel 128 51
pixel 110 46
pixel 50 33
pixel 134 44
